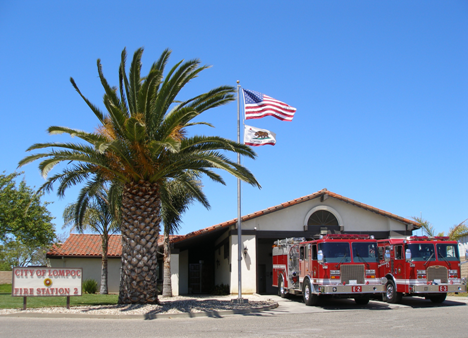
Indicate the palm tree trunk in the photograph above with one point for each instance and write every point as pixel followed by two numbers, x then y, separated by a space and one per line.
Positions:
pixel 167 286
pixel 105 243
pixel 140 230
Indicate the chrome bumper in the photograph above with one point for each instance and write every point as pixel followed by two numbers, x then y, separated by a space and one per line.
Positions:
pixel 437 288
pixel 348 289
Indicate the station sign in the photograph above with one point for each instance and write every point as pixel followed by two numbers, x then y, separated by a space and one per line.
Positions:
pixel 46 282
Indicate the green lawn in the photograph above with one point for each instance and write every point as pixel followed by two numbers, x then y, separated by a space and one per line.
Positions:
pixel 5 288
pixel 9 302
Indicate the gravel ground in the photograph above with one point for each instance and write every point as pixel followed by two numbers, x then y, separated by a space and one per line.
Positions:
pixel 173 305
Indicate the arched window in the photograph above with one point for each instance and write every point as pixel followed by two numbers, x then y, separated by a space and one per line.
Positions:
pixel 322 218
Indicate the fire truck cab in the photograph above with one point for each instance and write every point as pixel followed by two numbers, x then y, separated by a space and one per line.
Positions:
pixel 337 265
pixel 420 266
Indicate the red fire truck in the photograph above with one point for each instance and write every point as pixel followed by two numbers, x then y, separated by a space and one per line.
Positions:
pixel 420 266
pixel 336 265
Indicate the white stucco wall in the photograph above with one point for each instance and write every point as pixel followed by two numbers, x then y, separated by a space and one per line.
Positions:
pixel 175 274
pixel 222 274
pixel 351 217
pixel 248 264
pixel 92 269
pixel 462 247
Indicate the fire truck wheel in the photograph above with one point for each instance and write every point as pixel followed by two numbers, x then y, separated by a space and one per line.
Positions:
pixel 391 294
pixel 310 299
pixel 281 290
pixel 438 298
pixel 361 301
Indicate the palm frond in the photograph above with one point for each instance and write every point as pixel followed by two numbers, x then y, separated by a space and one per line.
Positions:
pixel 134 89
pixel 123 80
pixel 458 231
pixel 88 137
pixel 116 116
pixel 71 146
pixel 122 86
pixel 176 197
pixel 199 123
pixel 67 178
pixel 135 130
pixel 70 177
pixel 110 93
pixel 208 143
pixel 147 93
pixel 95 109
pixel 425 225
pixel 32 158
pixel 214 98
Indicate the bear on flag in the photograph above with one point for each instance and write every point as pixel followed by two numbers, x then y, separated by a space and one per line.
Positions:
pixel 258 137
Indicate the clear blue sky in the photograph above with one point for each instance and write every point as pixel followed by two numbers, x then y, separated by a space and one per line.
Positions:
pixel 380 87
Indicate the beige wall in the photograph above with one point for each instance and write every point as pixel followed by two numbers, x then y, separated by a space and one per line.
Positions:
pixel 5 277
pixel 92 269
pixel 462 247
pixel 174 274
pixel 222 274
pixel 248 264
pixel 464 270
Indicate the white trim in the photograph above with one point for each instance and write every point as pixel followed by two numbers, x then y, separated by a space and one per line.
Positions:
pixel 279 266
pixel 401 282
pixel 326 208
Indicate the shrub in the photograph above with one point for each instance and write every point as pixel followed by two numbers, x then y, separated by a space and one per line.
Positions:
pixel 90 286
pixel 221 290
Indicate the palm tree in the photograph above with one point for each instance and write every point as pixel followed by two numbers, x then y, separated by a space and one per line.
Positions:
pixel 458 231
pixel 141 143
pixel 175 201
pixel 94 211
pixel 454 233
pixel 425 225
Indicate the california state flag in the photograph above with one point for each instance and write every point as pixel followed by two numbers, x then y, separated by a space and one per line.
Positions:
pixel 258 137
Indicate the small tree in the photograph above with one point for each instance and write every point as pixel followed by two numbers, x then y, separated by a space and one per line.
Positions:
pixel 14 253
pixel 96 212
pixel 23 217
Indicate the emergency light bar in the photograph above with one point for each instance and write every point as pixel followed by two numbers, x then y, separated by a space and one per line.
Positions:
pixel 346 236
pixel 425 238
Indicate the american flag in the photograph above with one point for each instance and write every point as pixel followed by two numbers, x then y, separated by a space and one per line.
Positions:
pixel 258 105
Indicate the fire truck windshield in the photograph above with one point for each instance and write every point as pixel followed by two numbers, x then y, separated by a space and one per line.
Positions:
pixel 364 252
pixel 422 252
pixel 335 252
pixel 448 252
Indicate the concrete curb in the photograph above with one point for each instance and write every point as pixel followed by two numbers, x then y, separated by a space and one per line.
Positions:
pixel 146 316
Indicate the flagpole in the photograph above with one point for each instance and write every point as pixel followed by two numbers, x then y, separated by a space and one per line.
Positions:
pixel 239 229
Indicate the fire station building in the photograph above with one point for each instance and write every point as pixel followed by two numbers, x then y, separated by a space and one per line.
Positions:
pixel 208 257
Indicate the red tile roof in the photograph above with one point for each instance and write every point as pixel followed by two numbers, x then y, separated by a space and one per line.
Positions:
pixel 84 245
pixel 284 205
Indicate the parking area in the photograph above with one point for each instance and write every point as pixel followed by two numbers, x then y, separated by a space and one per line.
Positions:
pixel 294 304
